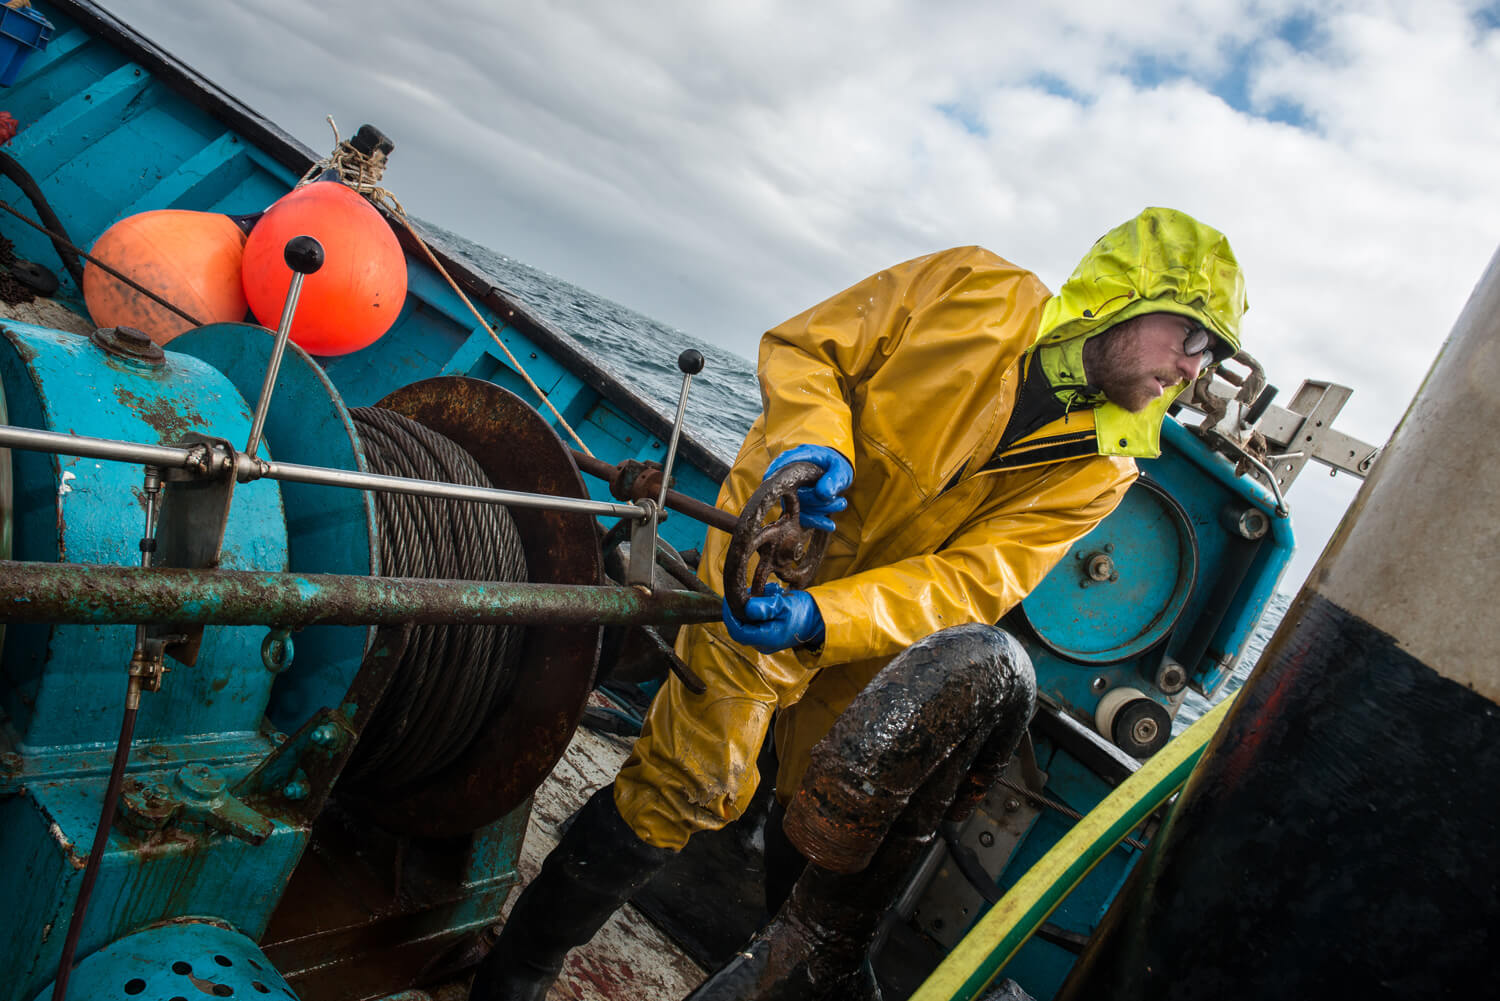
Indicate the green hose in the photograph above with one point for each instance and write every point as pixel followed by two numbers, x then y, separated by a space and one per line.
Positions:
pixel 991 943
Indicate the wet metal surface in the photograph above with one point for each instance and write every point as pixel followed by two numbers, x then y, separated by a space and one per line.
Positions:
pixel 895 763
pixel 935 707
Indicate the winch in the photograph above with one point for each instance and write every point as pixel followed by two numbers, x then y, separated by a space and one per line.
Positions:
pixel 322 652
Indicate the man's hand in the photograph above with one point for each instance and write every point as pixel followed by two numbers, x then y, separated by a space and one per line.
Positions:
pixel 777 620
pixel 821 499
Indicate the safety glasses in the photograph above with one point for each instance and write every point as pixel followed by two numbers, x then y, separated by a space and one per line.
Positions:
pixel 1198 341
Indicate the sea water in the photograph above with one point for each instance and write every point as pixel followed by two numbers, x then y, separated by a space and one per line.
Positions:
pixel 723 402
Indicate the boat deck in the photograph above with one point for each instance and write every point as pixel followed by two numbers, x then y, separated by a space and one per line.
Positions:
pixel 630 959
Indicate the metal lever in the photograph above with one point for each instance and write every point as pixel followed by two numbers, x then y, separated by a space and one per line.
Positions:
pixel 690 363
pixel 643 533
pixel 304 255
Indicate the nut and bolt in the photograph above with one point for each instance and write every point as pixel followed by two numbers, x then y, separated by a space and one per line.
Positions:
pixel 326 735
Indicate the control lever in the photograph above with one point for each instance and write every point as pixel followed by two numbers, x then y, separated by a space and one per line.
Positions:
pixel 304 255
pixel 643 533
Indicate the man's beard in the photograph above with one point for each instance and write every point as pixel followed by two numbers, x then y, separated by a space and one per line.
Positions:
pixel 1113 363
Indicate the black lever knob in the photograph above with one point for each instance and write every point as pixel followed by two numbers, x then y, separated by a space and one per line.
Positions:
pixel 303 254
pixel 690 362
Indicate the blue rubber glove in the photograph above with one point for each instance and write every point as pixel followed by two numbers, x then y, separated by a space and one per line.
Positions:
pixel 821 499
pixel 776 620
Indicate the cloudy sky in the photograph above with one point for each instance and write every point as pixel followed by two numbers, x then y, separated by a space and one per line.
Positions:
pixel 722 165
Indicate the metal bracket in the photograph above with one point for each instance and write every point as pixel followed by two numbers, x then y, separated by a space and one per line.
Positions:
pixel 1304 431
pixel 190 531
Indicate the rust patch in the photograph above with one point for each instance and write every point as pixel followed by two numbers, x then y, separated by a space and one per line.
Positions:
pixel 170 418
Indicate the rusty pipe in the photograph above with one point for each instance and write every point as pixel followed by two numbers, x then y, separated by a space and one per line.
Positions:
pixel 961 693
pixel 874 793
pixel 102 595
pixel 645 486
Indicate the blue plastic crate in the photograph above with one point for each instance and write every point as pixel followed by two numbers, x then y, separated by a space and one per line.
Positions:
pixel 22 32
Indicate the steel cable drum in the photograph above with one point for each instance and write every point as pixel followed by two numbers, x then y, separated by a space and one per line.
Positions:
pixel 1120 589
pixel 527 732
pixel 450 677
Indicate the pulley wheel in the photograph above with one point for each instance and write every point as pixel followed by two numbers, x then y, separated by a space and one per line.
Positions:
pixel 1120 589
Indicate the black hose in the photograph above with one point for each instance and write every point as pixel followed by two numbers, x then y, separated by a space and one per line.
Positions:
pixel 451 678
pixel 12 169
pixel 101 839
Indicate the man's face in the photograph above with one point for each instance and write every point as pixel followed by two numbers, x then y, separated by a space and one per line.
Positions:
pixel 1135 362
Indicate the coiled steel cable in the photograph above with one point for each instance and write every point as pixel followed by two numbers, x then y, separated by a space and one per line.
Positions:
pixel 450 678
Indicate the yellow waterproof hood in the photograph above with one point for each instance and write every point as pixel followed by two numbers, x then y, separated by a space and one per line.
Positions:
pixel 1162 261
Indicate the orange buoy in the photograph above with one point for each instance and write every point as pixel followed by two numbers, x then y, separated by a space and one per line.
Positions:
pixel 357 294
pixel 191 259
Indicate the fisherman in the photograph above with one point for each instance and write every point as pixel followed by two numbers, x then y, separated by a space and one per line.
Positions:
pixel 971 427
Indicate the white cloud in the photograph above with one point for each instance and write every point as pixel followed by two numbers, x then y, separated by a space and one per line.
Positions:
pixel 723 166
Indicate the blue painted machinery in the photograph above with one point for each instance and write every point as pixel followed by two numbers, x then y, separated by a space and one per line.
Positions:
pixel 244 749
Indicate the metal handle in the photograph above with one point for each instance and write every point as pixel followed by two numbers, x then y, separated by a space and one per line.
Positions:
pixel 304 255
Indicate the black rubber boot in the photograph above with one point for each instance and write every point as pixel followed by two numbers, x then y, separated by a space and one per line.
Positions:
pixel 597 866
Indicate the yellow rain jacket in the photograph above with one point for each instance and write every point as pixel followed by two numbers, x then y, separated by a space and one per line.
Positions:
pixel 912 374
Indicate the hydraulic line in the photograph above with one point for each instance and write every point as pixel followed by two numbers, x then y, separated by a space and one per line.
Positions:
pixel 451 677
pixel 51 224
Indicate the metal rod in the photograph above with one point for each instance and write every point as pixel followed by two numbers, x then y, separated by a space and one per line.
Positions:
pixel 690 362
pixel 163 456
pixel 104 595
pixel 268 386
pixel 690 506
pixel 294 473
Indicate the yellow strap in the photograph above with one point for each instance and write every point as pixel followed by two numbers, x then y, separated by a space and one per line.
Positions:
pixel 974 962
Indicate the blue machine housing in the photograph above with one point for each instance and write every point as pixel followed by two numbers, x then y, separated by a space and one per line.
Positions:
pixel 1184 584
pixel 64 685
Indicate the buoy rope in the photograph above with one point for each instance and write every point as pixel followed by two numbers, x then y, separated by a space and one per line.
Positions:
pixel 451 678
pixel 363 173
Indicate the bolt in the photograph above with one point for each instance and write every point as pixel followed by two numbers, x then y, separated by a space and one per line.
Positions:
pixel 295 790
pixel 326 735
pixel 1144 731
pixel 1012 805
pixel 986 839
pixel 1109 547
pixel 1099 684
